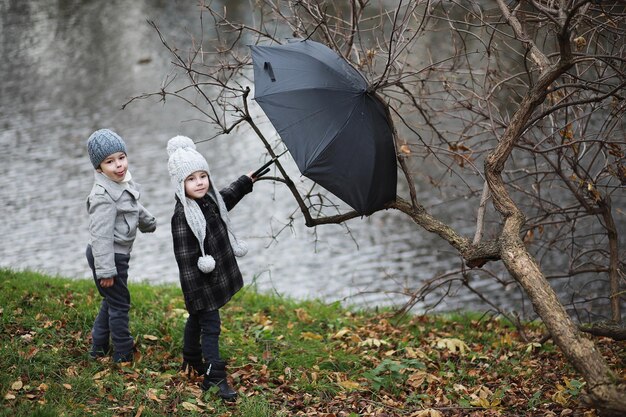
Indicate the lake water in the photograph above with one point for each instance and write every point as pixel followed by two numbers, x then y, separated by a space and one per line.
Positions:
pixel 69 66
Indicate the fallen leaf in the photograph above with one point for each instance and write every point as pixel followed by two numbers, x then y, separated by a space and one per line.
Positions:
pixel 560 396
pixel 100 374
pixel 480 402
pixel 152 395
pixel 459 388
pixel 453 345
pixel 532 346
pixel 191 407
pixel 350 385
pixel 311 336
pixel 427 413
pixel 392 403
pixel 485 398
pixel 27 338
pixel 31 352
pixel 179 312
pixel 416 379
pixel 17 385
pixel 414 353
pixel 341 333
pixel 370 341
pixel 262 319
pixel 302 315
pixel 150 337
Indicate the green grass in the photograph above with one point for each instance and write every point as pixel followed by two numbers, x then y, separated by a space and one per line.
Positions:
pixel 285 357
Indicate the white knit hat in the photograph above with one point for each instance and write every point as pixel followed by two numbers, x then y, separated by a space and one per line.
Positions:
pixel 183 161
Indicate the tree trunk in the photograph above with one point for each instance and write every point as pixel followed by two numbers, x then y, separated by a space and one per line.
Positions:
pixel 609 223
pixel 603 390
pixel 604 393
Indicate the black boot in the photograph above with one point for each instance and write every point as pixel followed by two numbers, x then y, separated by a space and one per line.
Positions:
pixel 215 376
pixel 192 362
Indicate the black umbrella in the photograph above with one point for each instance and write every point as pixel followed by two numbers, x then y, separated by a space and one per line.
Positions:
pixel 336 130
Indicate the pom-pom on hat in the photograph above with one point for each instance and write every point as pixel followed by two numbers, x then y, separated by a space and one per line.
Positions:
pixel 183 161
pixel 102 143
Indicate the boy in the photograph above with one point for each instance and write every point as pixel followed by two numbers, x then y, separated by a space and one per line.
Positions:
pixel 114 217
pixel 205 249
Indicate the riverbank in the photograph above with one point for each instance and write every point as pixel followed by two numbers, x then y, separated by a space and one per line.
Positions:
pixel 286 357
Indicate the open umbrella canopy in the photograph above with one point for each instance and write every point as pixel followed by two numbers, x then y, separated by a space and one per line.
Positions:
pixel 336 130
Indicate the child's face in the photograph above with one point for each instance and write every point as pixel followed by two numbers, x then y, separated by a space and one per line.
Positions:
pixel 115 166
pixel 197 185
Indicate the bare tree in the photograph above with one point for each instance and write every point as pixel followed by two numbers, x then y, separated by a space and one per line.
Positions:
pixel 516 105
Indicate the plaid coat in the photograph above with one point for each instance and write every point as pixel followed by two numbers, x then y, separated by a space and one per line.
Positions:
pixel 208 291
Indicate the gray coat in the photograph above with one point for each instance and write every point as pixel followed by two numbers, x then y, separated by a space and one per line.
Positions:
pixel 115 214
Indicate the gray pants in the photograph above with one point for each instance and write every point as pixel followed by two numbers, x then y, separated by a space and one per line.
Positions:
pixel 112 319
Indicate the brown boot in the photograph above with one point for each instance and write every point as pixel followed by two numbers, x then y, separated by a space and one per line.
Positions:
pixel 216 377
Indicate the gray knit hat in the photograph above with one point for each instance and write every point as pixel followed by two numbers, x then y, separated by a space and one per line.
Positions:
pixel 102 143
pixel 183 161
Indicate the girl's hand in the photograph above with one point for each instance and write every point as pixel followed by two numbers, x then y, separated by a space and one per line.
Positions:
pixel 107 282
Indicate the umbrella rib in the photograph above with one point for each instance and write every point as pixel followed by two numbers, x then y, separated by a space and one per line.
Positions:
pixel 295 90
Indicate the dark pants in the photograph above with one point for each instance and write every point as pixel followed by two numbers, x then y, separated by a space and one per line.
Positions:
pixel 112 319
pixel 201 338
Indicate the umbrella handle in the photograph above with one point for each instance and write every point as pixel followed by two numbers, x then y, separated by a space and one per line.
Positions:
pixel 260 174
pixel 264 169
pixel 270 71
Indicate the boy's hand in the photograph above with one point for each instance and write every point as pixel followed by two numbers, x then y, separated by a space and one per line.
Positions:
pixel 107 282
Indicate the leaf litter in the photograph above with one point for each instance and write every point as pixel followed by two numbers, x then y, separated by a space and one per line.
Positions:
pixel 288 357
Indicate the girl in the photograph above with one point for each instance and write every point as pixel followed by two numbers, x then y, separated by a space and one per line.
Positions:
pixel 205 249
